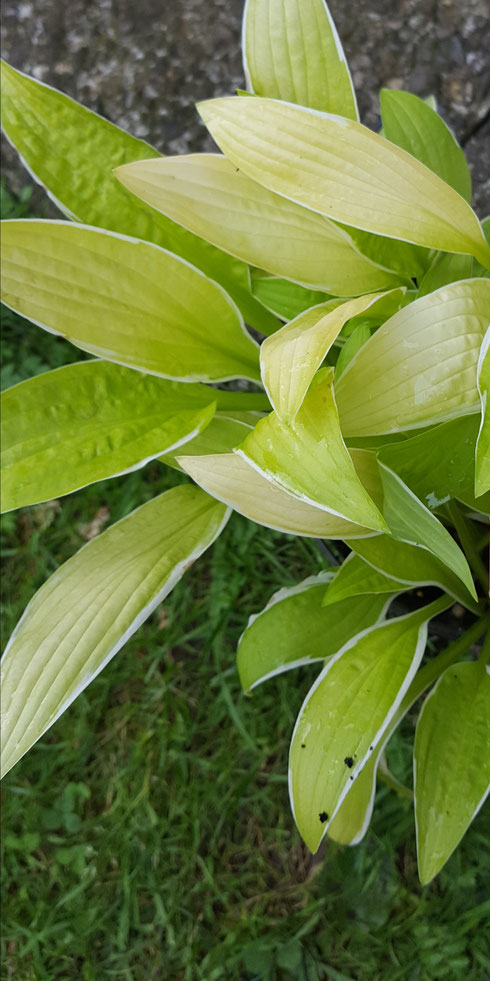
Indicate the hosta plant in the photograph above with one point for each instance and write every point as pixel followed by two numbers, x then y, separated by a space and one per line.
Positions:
pixel 339 279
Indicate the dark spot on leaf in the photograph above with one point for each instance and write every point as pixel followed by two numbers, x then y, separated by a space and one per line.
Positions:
pixel 349 761
pixel 303 745
pixel 323 817
pixel 351 777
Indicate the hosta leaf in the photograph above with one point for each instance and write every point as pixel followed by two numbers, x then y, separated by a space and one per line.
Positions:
pixel 411 565
pixel 72 152
pixel 440 463
pixel 411 522
pixel 446 268
pixel 451 763
pixel 343 170
pixel 478 269
pixel 351 820
pixel 353 344
pixel 410 261
pixel 230 479
pixel 291 356
pixel 345 713
pixel 482 462
pixel 84 422
pixel 91 606
pixel 222 435
pixel 125 300
pixel 310 460
pixel 291 51
pixel 356 578
pixel 284 298
pixel 419 368
pixel 205 193
pixel 294 629
pixel 414 126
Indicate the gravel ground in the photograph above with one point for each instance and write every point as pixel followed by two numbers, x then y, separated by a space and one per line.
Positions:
pixel 143 64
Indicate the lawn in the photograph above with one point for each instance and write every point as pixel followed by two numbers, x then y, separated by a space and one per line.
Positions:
pixel 148 834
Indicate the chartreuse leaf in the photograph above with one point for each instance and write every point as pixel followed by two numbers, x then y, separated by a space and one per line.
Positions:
pixel 310 460
pixel 230 479
pixel 341 169
pixel 411 522
pixel 446 268
pixel 353 344
pixel 419 368
pixel 72 152
pixel 291 356
pixel 205 193
pixel 284 298
pixel 125 300
pixel 220 436
pixel 439 463
pixel 451 763
pixel 84 422
pixel 414 126
pixel 291 51
pixel 294 629
pixel 345 713
pixel 356 578
pixel 411 565
pixel 482 462
pixel 478 269
pixel 91 606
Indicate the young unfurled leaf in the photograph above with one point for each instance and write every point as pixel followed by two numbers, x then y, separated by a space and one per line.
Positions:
pixel 72 152
pixel 67 428
pixel 482 461
pixel 411 522
pixel 411 565
pixel 291 356
pixel 285 299
pixel 451 763
pixel 419 368
pixel 205 193
pixel 439 463
pixel 414 126
pixel 345 713
pixel 230 479
pixel 291 51
pixel 309 458
pixel 294 629
pixel 356 578
pixel 343 170
pixel 91 606
pixel 124 300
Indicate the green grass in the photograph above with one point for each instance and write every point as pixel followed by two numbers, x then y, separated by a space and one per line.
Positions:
pixel 148 834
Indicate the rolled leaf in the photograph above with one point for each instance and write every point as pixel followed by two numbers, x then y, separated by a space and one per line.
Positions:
pixel 343 170
pixel 414 126
pixel 356 578
pixel 90 607
pixel 309 458
pixel 482 461
pixel 419 368
pixel 451 763
pixel 67 428
pixel 72 152
pixel 291 51
pixel 411 565
pixel 439 463
pixel 124 300
pixel 208 195
pixel 294 629
pixel 230 479
pixel 411 522
pixel 345 713
pixel 291 356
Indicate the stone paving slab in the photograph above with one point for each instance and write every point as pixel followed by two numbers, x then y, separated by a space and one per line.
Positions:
pixel 143 64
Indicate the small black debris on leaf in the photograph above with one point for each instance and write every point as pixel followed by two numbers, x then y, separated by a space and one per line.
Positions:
pixel 349 761
pixel 323 817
